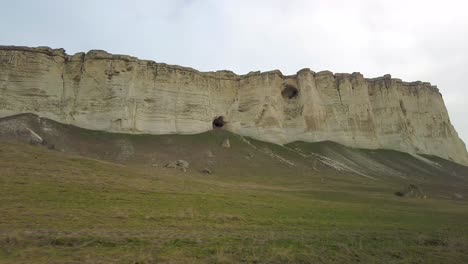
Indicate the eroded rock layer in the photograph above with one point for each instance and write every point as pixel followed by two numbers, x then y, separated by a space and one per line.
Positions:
pixel 98 90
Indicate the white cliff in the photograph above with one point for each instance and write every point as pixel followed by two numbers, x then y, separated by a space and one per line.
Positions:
pixel 118 93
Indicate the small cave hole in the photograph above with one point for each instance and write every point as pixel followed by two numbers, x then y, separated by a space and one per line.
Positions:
pixel 290 92
pixel 218 122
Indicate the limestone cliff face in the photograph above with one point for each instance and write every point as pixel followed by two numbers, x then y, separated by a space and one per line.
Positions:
pixel 119 93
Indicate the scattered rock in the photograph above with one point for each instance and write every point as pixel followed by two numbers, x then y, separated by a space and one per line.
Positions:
pixel 126 149
pixel 171 165
pixel 206 171
pixel 210 154
pixel 267 151
pixel 226 143
pixel 48 145
pixel 27 133
pixel 249 156
pixel 178 164
pixel 33 142
pixel 183 164
pixel 270 153
pixel 412 191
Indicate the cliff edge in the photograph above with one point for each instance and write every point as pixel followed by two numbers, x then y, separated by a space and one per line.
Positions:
pixel 118 93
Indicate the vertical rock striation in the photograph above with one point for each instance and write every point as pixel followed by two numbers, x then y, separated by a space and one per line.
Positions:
pixel 98 90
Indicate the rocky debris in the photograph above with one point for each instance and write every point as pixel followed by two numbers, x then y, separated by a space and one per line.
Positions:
pixel 34 138
pixel 337 165
pixel 126 149
pixel 20 129
pixel 226 143
pixel 20 132
pixel 183 165
pixel 48 145
pixel 249 156
pixel 207 171
pixel 171 165
pixel 210 154
pixel 270 153
pixel 412 191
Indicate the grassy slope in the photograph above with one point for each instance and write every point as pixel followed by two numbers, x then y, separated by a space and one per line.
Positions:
pixel 56 207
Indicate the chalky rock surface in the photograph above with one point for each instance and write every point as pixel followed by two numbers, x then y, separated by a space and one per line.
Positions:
pixel 101 91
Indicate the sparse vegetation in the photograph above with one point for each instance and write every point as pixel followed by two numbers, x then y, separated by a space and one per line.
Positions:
pixel 56 207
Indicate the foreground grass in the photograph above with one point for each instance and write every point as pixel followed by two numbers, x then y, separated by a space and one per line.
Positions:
pixel 63 209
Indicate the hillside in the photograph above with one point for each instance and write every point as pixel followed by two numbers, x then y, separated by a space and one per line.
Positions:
pixel 71 195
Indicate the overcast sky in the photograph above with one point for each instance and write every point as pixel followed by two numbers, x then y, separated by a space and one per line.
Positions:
pixel 410 39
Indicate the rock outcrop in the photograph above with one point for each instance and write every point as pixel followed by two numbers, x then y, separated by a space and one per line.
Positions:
pixel 98 90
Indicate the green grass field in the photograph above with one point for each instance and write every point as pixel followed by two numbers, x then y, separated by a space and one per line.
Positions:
pixel 64 209
pixel 58 207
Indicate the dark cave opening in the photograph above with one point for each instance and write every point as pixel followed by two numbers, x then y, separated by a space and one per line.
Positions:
pixel 218 122
pixel 290 92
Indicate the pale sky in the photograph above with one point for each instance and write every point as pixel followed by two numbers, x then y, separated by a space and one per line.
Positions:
pixel 412 40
